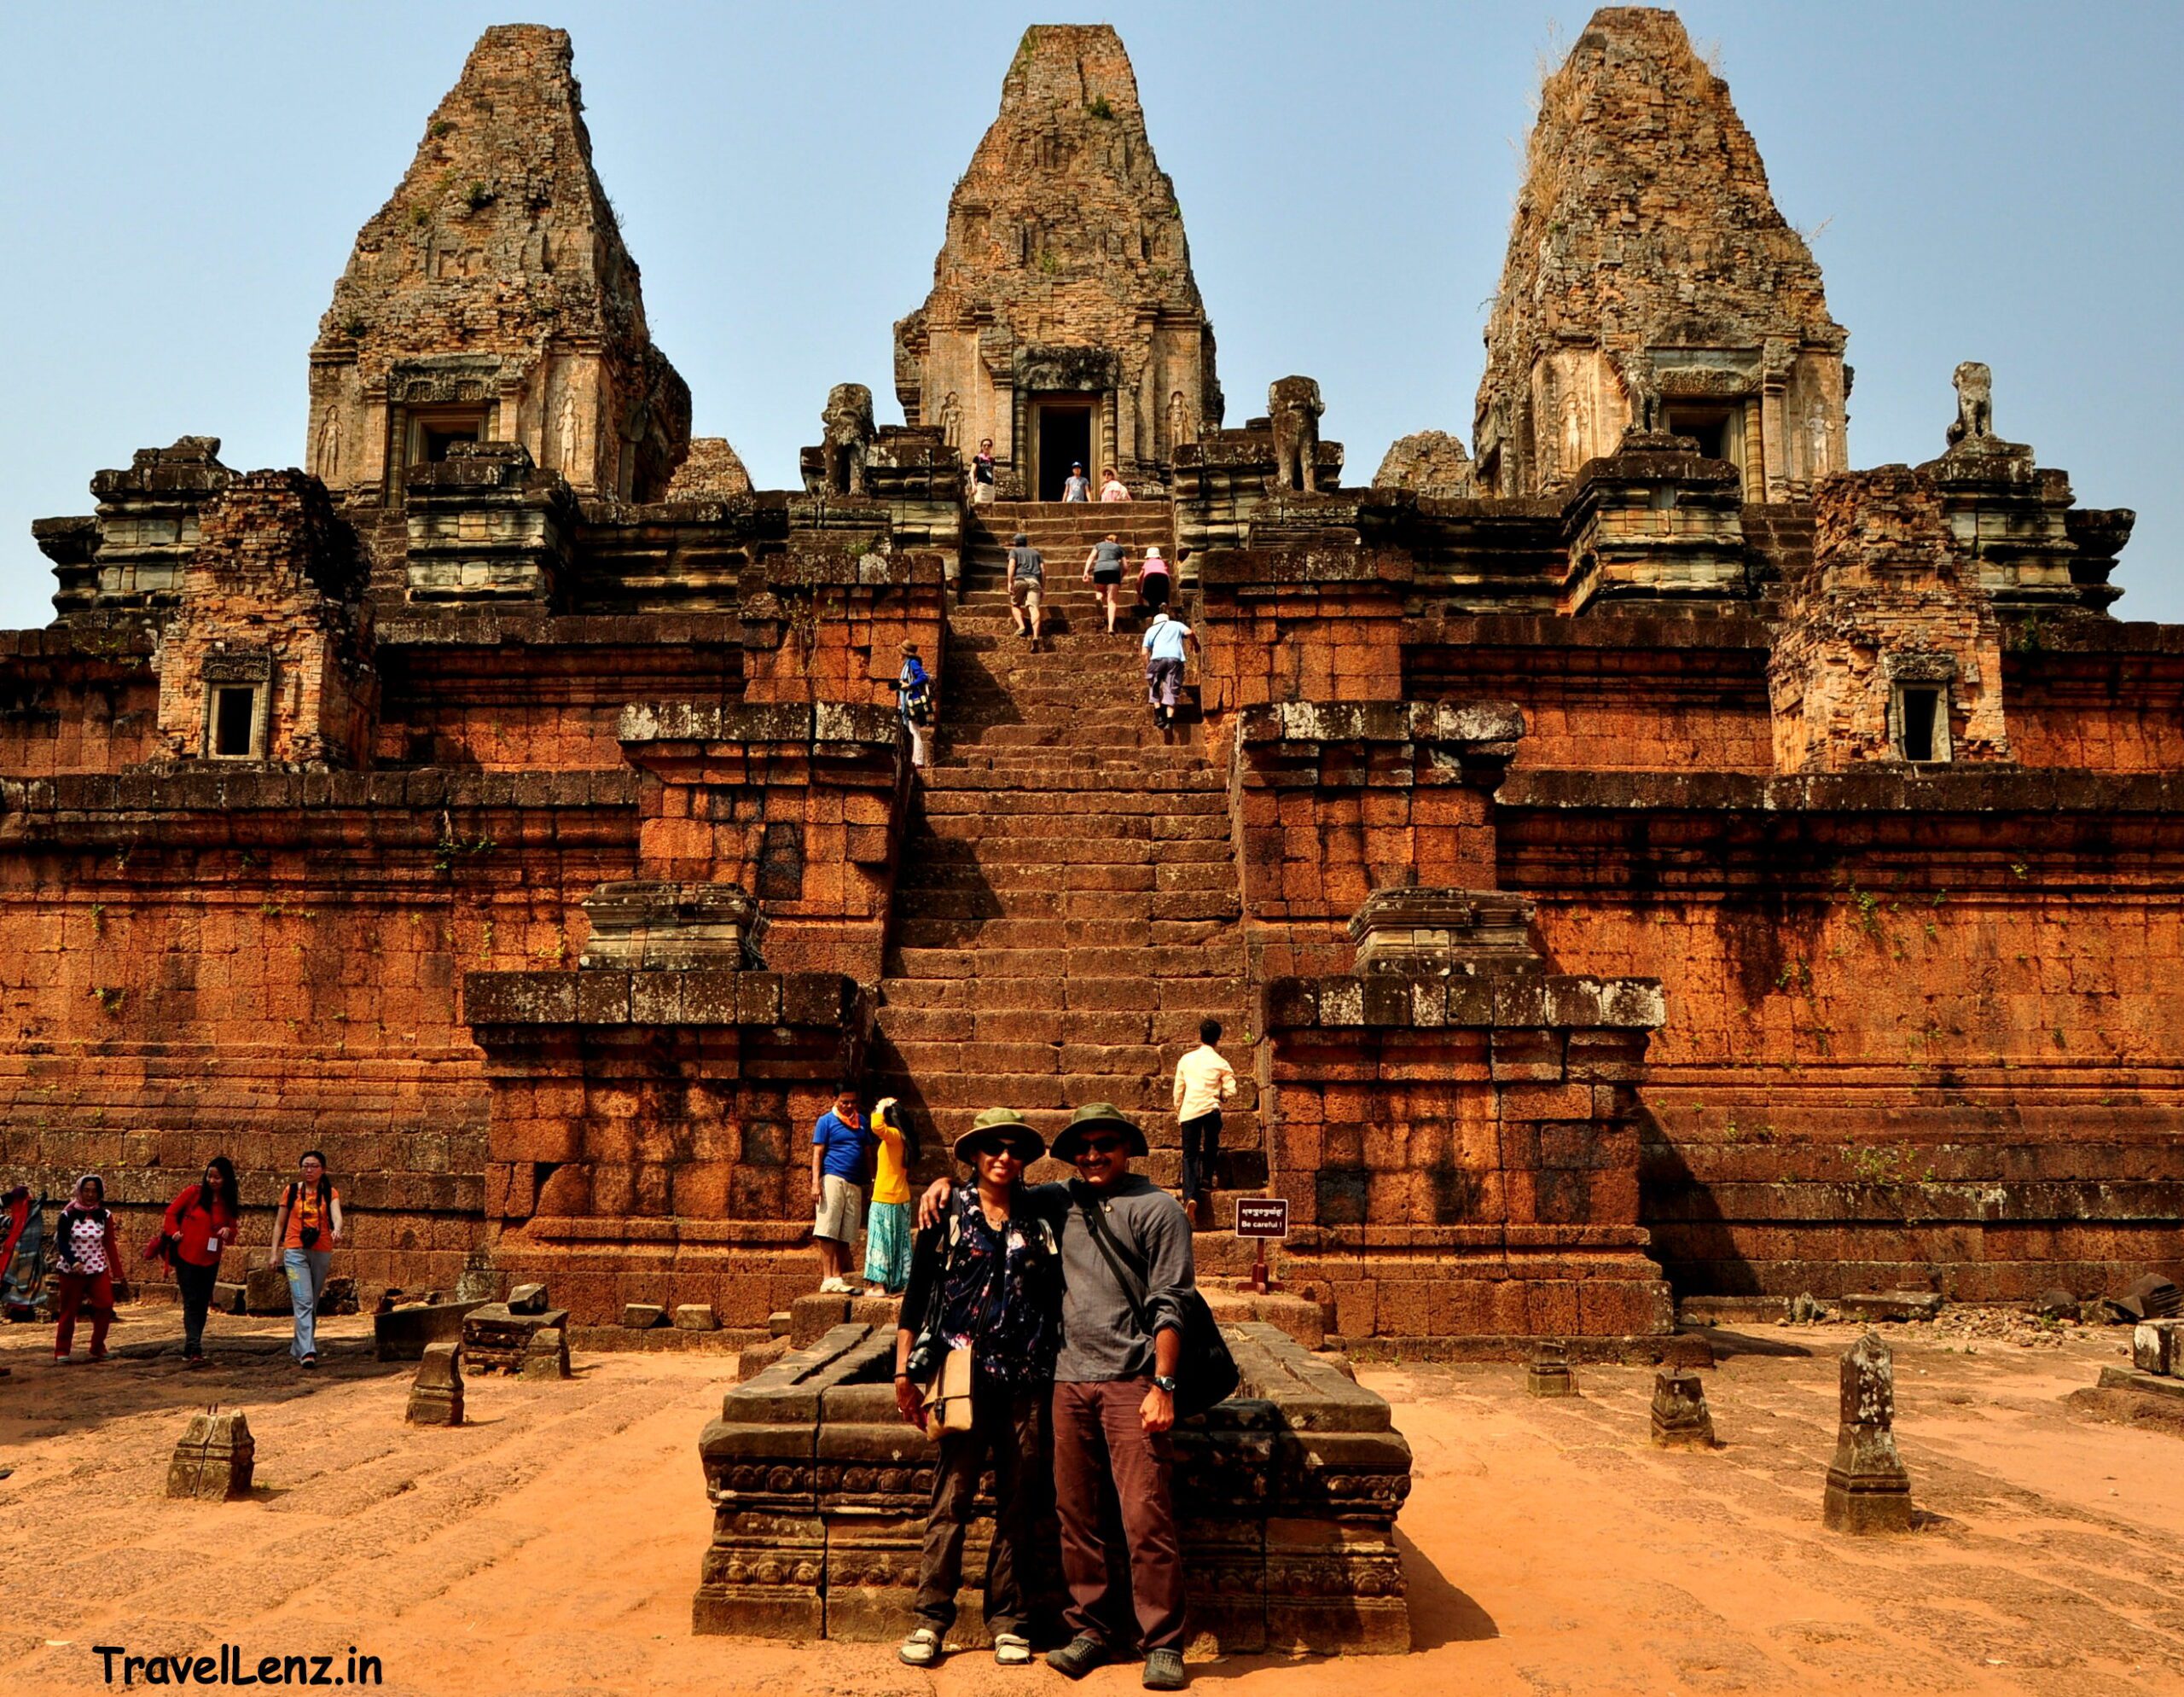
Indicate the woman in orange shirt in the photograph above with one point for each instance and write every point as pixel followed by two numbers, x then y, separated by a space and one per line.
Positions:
pixel 305 1233
pixel 200 1222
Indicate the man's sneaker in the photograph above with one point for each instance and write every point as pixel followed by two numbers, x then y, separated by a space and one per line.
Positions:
pixel 921 1648
pixel 1164 1670
pixel 833 1287
pixel 1079 1657
pixel 1012 1649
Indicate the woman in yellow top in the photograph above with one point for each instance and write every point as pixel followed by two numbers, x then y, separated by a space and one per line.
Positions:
pixel 887 1229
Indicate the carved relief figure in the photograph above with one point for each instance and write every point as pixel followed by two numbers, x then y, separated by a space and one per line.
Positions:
pixel 327 463
pixel 1975 403
pixel 1573 435
pixel 1636 369
pixel 1816 458
pixel 951 419
pixel 846 431
pixel 1179 421
pixel 1294 405
pixel 568 435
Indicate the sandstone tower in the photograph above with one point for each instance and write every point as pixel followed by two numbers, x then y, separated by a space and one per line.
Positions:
pixel 1651 282
pixel 1064 321
pixel 491 299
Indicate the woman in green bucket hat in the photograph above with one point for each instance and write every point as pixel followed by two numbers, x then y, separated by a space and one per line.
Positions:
pixel 974 1362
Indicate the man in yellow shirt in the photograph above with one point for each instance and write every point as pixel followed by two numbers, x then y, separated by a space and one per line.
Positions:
pixel 1203 1082
pixel 887 1232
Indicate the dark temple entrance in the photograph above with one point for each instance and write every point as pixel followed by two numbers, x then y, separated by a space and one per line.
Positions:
pixel 1064 439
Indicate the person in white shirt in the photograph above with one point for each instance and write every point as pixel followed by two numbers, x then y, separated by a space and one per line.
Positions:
pixel 1204 1080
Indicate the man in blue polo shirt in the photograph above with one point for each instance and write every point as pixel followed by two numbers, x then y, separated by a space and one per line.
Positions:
pixel 1163 643
pixel 842 1156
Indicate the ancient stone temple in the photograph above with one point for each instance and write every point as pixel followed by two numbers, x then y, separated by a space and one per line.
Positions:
pixel 491 300
pixel 1634 855
pixel 1064 321
pixel 1652 283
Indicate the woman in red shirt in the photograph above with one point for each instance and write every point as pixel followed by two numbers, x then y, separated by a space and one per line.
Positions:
pixel 200 1222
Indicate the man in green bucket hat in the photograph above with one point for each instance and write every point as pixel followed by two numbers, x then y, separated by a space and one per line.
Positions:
pixel 1114 1391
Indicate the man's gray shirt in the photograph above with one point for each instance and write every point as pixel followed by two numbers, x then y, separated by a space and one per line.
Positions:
pixel 1099 1337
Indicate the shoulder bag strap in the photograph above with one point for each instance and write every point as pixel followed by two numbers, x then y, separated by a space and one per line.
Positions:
pixel 1119 1260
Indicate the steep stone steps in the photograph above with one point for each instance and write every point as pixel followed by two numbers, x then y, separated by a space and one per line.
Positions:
pixel 1066 907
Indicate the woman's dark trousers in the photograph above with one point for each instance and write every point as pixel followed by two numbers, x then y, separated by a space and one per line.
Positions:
pixel 196 1283
pixel 1008 1432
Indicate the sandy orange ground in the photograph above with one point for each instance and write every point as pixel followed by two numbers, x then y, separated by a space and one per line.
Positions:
pixel 552 1546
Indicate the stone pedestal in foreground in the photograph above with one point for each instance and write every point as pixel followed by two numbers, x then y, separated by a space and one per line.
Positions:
pixel 1682 1420
pixel 215 1461
pixel 1867 1489
pixel 1287 1493
pixel 436 1393
pixel 1547 1372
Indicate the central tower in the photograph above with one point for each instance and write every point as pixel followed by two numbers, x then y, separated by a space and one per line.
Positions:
pixel 1064 321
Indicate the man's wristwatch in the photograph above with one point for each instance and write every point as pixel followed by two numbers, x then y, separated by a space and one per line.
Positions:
pixel 1164 1382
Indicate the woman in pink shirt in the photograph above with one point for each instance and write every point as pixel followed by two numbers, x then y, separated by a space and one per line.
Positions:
pixel 1153 579
pixel 1111 487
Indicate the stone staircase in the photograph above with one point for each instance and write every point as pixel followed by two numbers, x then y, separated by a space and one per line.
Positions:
pixel 1067 910
pixel 1064 535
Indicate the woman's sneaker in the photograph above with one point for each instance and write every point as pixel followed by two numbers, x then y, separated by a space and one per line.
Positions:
pixel 920 1649
pixel 1012 1649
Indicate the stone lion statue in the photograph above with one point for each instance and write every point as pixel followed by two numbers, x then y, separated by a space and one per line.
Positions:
pixel 1975 403
pixel 847 431
pixel 1294 405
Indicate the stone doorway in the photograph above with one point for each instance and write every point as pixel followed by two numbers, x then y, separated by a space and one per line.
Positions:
pixel 1062 437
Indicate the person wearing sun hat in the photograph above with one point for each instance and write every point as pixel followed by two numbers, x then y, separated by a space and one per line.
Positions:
pixel 985 1278
pixel 1114 1394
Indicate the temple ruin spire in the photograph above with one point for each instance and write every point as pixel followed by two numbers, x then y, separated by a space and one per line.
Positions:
pixel 1651 282
pixel 1063 312
pixel 491 298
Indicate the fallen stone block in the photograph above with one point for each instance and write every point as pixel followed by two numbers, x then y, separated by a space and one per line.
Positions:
pixel 495 1341
pixel 229 1298
pixel 436 1393
pixel 778 1323
pixel 642 1317
pixel 338 1296
pixel 1547 1374
pixel 215 1460
pixel 696 1317
pixel 2147 1383
pixel 2056 1303
pixel 266 1291
pixel 527 1299
pixel 2150 1298
pixel 1868 1491
pixel 546 1356
pixel 2158 1347
pixel 1891 1305
pixel 402 1334
pixel 1682 1420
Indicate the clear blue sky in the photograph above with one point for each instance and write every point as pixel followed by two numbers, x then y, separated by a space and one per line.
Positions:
pixel 1994 181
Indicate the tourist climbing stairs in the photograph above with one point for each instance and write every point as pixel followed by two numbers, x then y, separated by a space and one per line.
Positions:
pixel 1066 911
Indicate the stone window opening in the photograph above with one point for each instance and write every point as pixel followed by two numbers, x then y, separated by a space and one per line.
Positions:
pixel 1718 430
pixel 234 721
pixel 1919 715
pixel 434 431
